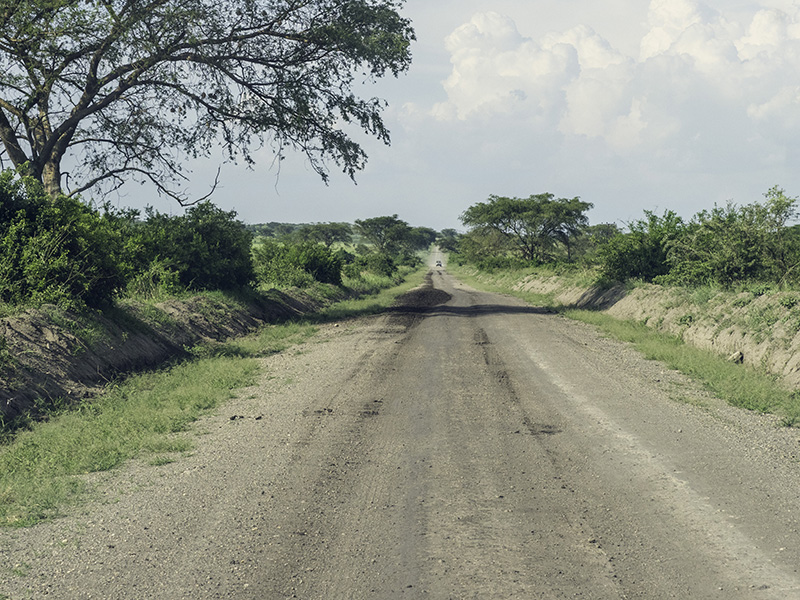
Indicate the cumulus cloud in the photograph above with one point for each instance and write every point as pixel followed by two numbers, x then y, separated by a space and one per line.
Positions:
pixel 496 69
pixel 701 77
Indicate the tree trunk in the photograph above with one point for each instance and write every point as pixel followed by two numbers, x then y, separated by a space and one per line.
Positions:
pixel 51 179
pixel 10 142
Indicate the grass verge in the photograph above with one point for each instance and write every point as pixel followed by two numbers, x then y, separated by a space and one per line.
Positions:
pixel 148 415
pixel 503 283
pixel 739 385
pixel 379 301
pixel 40 470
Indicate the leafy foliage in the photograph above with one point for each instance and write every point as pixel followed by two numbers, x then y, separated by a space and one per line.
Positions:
pixel 482 247
pixel 448 240
pixel 421 238
pixel 298 265
pixel 60 252
pixel 372 262
pixel 64 252
pixel 533 225
pixel 394 242
pixel 736 244
pixel 325 233
pixel 205 249
pixel 587 246
pixel 641 253
pixel 131 87
pixel 388 234
pixel 724 246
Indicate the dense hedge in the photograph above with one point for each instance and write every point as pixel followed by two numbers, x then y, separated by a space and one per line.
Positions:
pixel 724 246
pixel 55 251
pixel 205 249
pixel 641 253
pixel 64 252
pixel 378 263
pixel 277 263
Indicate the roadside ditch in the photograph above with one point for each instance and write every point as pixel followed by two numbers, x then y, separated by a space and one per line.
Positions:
pixel 50 357
pixel 759 327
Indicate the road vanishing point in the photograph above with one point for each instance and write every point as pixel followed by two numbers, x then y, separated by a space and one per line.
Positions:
pixel 461 445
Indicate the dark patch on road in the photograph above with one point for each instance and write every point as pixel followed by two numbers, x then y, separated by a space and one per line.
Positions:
pixel 421 298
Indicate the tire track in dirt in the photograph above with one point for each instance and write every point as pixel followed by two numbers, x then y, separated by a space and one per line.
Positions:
pixel 462 445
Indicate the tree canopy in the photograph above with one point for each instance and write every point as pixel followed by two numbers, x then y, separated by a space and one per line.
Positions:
pixel 534 225
pixel 133 88
pixel 388 234
pixel 325 233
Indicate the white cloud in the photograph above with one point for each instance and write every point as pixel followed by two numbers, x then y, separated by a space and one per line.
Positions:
pixel 669 20
pixel 768 30
pixel 780 114
pixel 495 69
pixel 693 61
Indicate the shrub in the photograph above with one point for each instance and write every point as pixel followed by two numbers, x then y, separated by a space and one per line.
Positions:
pixel 157 282
pixel 641 253
pixel 298 265
pixel 377 263
pixel 57 251
pixel 319 261
pixel 736 244
pixel 207 249
pixel 496 263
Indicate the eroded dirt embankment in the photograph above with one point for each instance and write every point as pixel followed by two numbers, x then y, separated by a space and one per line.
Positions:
pixel 478 449
pixel 49 356
pixel 760 328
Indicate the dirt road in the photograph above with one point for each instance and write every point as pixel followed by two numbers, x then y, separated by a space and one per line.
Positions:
pixel 462 446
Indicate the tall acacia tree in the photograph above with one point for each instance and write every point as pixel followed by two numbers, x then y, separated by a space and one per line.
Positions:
pixel 389 235
pixel 133 88
pixel 533 225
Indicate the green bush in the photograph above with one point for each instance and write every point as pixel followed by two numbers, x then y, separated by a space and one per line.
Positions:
pixel 736 244
pixel 495 263
pixel 57 251
pixel 299 265
pixel 158 281
pixel 317 259
pixel 377 263
pixel 205 249
pixel 641 253
pixel 61 251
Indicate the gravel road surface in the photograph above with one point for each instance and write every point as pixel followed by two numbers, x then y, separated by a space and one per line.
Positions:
pixel 463 445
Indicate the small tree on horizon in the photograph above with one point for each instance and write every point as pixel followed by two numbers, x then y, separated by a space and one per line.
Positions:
pixel 534 225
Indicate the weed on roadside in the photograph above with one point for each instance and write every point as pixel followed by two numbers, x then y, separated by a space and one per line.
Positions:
pixel 40 471
pixel 370 305
pixel 43 468
pixel 739 385
pixel 269 340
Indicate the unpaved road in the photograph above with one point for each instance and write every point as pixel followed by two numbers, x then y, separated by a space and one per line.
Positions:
pixel 476 448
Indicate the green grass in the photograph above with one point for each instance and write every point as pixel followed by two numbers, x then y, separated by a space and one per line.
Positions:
pixel 379 301
pixel 501 283
pixel 739 385
pixel 270 340
pixel 42 470
pixel 147 415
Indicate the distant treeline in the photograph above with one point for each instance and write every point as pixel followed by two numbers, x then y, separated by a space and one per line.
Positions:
pixel 298 254
pixel 65 252
pixel 726 246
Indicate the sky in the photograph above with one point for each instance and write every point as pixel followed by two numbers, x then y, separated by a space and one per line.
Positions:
pixel 631 105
